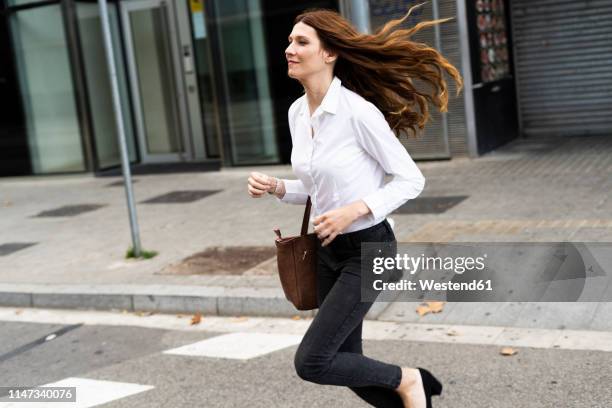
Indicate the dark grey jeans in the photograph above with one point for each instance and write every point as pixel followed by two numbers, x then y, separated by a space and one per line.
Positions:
pixel 331 350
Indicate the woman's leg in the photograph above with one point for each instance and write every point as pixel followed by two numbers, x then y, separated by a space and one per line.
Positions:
pixel 318 358
pixel 376 396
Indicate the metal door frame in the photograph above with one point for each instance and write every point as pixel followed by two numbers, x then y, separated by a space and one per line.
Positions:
pixel 180 104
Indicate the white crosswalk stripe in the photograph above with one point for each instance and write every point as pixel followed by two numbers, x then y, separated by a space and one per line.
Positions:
pixel 89 393
pixel 240 345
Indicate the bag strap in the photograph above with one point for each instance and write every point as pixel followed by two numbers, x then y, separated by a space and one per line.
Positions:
pixel 306 217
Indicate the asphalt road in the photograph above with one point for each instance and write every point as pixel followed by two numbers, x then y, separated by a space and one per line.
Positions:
pixel 473 375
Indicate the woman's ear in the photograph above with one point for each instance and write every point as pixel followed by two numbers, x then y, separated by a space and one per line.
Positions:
pixel 330 57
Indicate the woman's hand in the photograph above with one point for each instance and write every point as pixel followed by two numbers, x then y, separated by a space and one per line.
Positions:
pixel 334 222
pixel 260 184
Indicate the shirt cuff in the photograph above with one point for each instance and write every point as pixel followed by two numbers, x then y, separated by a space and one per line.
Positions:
pixel 294 192
pixel 376 205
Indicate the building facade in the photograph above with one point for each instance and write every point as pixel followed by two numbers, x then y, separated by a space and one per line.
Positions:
pixel 194 79
pixel 203 82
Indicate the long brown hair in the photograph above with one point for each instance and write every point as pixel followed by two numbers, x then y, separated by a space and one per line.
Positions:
pixel 381 67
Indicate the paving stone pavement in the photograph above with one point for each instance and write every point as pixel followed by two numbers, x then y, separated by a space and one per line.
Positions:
pixel 541 189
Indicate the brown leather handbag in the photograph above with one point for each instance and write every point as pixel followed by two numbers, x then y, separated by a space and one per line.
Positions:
pixel 297 265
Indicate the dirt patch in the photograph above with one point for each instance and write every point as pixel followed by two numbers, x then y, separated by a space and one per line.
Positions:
pixel 225 261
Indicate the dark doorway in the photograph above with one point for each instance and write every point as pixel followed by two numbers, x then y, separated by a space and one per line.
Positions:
pixel 14 152
pixel 278 22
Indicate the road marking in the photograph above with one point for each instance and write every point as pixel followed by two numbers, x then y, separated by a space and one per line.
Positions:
pixel 41 340
pixel 240 346
pixel 89 393
pixel 372 330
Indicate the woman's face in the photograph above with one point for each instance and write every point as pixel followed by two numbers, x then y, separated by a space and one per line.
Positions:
pixel 305 56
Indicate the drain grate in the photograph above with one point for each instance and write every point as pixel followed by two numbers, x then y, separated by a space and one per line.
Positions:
pixel 429 205
pixel 120 183
pixel 9 248
pixel 70 210
pixel 185 196
pixel 222 261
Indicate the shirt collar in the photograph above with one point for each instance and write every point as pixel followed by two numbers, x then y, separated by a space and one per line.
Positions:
pixel 330 100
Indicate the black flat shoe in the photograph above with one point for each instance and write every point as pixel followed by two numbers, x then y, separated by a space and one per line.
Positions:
pixel 431 385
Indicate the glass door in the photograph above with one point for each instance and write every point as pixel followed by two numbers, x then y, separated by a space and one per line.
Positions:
pixel 156 80
pixel 97 77
pixel 47 91
pixel 244 72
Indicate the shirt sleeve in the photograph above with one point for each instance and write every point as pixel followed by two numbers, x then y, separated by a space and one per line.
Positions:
pixel 295 192
pixel 376 137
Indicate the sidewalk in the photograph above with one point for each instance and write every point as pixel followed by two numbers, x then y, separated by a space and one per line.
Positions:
pixel 530 190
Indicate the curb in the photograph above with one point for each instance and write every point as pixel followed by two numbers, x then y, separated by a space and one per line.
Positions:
pixel 208 300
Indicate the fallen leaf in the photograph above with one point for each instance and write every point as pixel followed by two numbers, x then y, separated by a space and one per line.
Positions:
pixel 436 307
pixel 18 311
pixel 452 333
pixel 240 319
pixel 422 310
pixel 508 351
pixel 180 316
pixel 143 313
pixel 296 317
pixel 429 307
pixel 196 319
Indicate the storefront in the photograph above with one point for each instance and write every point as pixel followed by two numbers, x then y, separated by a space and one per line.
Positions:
pixel 563 66
pixel 195 80
pixel 201 82
pixel 60 90
pixel 204 82
pixel 531 69
pixel 537 69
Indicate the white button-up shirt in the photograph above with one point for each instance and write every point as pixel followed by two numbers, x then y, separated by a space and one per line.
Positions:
pixel 346 156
